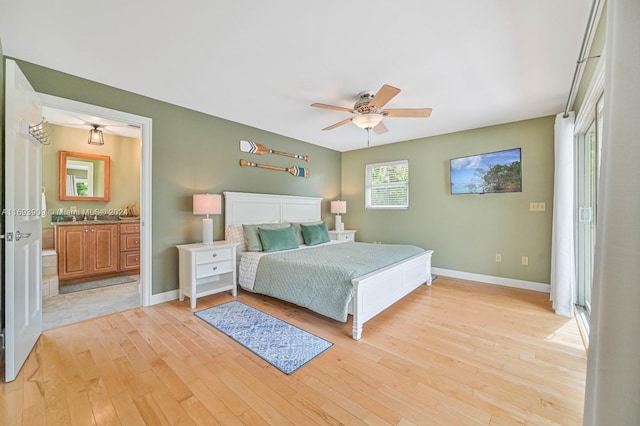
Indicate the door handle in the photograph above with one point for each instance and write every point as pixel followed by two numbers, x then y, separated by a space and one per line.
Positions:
pixel 20 235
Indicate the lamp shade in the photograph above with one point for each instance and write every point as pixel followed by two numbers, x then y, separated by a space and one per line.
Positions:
pixel 95 136
pixel 368 120
pixel 207 204
pixel 338 207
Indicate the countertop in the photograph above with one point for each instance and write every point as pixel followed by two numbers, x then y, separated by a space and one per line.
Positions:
pixel 93 222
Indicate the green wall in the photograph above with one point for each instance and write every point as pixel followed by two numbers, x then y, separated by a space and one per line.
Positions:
pixel 194 152
pixel 466 231
pixel 124 154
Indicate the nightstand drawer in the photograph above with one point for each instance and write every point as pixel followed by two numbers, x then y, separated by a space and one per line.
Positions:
pixel 343 236
pixel 213 256
pixel 213 268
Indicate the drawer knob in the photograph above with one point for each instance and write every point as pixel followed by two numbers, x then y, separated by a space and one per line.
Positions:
pixel 135 242
pixel 214 254
pixel 215 267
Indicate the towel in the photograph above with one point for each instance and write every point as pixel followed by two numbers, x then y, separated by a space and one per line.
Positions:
pixel 43 205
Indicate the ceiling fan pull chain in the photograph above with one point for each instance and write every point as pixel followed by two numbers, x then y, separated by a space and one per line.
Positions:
pixel 368 133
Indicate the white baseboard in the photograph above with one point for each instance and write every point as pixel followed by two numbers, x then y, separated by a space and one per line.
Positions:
pixel 167 296
pixel 507 282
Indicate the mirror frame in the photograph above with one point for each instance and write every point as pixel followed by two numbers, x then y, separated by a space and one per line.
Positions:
pixel 62 176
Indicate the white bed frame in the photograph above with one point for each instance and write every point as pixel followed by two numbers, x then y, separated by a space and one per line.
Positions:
pixel 373 294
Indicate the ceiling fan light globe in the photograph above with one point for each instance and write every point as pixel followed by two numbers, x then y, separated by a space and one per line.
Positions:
pixel 367 121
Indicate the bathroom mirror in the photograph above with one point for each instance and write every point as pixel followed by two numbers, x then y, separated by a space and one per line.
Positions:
pixel 83 177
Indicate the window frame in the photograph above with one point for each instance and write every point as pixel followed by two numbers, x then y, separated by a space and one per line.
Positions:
pixel 369 185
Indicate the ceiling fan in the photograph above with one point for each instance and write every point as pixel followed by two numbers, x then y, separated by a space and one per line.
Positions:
pixel 369 113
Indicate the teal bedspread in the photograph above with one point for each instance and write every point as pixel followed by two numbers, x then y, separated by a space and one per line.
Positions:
pixel 319 278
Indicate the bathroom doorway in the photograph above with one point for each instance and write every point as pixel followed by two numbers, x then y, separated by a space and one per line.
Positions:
pixel 126 142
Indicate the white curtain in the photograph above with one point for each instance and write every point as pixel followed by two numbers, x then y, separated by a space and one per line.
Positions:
pixel 613 369
pixel 72 190
pixel 563 276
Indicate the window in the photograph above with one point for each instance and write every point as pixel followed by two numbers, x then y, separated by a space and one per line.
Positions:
pixel 387 185
pixel 588 147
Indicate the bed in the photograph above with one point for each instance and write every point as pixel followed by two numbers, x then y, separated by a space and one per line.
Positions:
pixel 369 294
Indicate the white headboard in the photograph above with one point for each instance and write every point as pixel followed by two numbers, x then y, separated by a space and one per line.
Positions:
pixel 246 207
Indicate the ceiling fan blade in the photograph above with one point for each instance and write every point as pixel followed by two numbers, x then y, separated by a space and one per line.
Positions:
pixel 408 112
pixel 380 128
pixel 341 123
pixel 384 95
pixel 337 108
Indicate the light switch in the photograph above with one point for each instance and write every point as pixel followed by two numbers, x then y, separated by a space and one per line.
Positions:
pixel 537 206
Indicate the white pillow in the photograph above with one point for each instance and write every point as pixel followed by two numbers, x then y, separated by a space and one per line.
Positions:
pixel 235 234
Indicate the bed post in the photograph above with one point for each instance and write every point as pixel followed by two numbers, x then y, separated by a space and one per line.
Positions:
pixel 357 313
pixel 429 275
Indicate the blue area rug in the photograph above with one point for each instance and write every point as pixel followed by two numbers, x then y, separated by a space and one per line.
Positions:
pixel 283 345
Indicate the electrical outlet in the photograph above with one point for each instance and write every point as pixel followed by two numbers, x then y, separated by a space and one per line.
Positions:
pixel 525 261
pixel 537 207
pixel 498 257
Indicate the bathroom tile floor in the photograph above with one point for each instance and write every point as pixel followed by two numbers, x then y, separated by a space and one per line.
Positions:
pixel 64 309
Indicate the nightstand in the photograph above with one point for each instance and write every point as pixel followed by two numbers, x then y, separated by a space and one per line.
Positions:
pixel 342 235
pixel 206 269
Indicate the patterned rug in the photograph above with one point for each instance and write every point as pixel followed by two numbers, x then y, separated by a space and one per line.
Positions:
pixel 283 345
pixel 88 285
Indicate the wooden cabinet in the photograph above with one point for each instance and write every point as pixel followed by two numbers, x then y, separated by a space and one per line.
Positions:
pixel 86 250
pixel 130 247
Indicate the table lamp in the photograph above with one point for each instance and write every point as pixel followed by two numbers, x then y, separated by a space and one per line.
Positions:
pixel 207 204
pixel 338 207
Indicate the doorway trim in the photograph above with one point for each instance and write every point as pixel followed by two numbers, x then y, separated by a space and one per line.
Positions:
pixel 145 125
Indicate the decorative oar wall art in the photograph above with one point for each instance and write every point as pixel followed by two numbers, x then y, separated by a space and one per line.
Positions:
pixel 295 171
pixel 257 148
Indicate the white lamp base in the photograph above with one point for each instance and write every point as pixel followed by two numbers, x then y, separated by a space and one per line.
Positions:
pixel 339 226
pixel 207 231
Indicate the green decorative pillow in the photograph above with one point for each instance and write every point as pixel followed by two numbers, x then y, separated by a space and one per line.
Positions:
pixel 277 239
pixel 298 231
pixel 315 234
pixel 251 234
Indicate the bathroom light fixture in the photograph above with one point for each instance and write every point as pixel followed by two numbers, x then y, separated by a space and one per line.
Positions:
pixel 95 136
pixel 368 120
pixel 207 204
pixel 338 207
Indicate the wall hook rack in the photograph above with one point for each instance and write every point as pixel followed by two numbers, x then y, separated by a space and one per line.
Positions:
pixel 41 132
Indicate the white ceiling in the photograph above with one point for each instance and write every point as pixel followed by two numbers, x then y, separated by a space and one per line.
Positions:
pixel 86 122
pixel 262 63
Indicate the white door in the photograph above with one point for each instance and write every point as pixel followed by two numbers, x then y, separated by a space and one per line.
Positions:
pixel 23 221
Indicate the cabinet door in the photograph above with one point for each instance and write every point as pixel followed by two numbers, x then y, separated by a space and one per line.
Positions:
pixel 73 251
pixel 103 246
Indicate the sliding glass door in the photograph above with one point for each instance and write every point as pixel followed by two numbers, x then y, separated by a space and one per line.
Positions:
pixel 588 166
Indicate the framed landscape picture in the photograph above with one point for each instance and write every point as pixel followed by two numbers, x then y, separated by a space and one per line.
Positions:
pixel 493 172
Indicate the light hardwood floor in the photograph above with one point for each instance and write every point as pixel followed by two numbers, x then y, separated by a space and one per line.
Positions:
pixel 457 353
